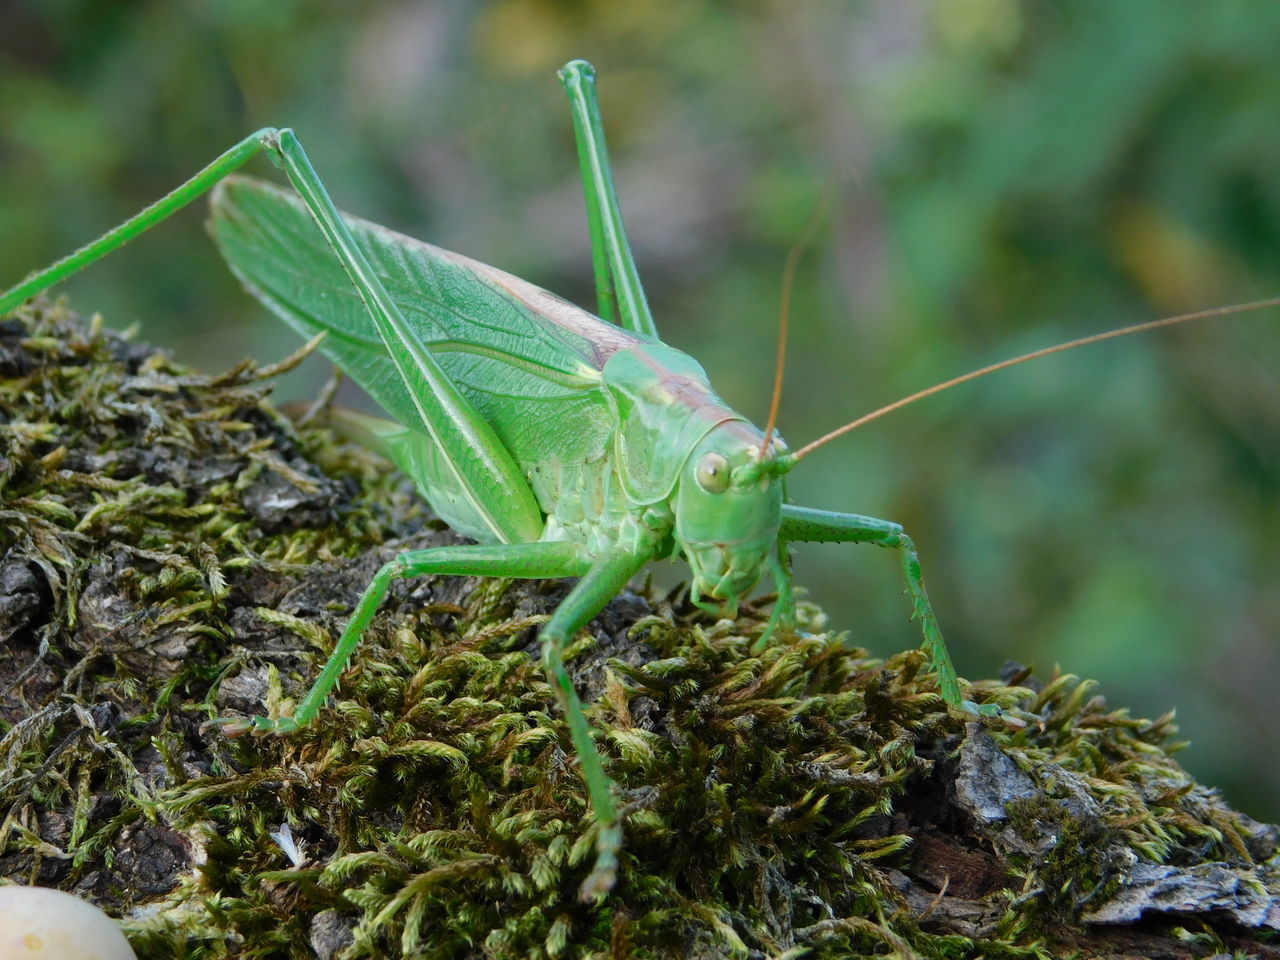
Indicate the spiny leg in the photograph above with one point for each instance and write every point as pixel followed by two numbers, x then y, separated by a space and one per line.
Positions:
pixel 803 523
pixel 521 560
pixel 619 293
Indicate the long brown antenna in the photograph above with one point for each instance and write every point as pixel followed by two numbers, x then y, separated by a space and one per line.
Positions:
pixel 789 269
pixel 1033 355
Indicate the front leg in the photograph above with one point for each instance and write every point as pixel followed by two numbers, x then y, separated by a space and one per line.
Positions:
pixel 519 560
pixel 824 526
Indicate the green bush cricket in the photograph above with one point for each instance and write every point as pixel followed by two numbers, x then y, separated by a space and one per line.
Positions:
pixel 566 445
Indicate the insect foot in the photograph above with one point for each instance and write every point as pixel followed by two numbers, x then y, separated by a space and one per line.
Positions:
pixel 605 872
pixel 991 711
pixel 258 726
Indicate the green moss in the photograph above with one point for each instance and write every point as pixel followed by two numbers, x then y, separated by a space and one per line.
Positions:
pixel 179 550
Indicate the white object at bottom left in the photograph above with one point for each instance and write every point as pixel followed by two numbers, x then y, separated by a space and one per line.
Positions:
pixel 37 923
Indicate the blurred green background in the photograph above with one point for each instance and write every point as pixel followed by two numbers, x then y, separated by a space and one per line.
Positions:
pixel 1009 175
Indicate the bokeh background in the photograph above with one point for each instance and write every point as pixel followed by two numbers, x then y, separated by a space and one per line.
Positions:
pixel 1007 175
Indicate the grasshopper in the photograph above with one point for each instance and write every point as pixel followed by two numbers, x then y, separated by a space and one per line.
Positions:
pixel 564 444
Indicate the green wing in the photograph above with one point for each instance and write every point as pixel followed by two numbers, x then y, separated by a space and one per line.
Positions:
pixel 529 361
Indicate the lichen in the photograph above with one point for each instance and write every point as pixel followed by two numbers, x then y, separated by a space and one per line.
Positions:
pixel 175 550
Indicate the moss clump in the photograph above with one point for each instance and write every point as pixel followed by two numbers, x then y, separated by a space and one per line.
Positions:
pixel 174 550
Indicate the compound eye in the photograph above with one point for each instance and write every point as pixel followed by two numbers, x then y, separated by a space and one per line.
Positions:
pixel 713 473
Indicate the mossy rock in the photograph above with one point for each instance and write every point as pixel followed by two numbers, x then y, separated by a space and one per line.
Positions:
pixel 173 550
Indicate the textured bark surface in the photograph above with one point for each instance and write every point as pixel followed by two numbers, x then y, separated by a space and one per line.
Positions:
pixel 172 550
